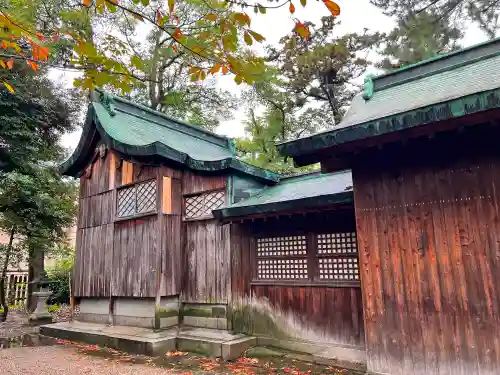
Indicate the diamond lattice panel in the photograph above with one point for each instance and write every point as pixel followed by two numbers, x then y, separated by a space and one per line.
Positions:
pixel 282 268
pixel 202 205
pixel 338 269
pixel 126 202
pixel 281 246
pixel 146 197
pixel 336 243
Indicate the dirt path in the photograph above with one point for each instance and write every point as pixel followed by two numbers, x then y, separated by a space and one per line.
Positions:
pixel 54 360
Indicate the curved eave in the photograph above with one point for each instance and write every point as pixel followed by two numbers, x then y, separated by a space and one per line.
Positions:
pixel 93 131
pixel 291 205
pixel 452 109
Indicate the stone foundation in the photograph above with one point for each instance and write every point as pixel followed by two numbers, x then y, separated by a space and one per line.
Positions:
pixel 134 312
pixel 205 316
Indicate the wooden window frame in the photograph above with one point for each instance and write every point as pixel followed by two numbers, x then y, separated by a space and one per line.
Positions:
pixel 141 214
pixel 312 256
pixel 201 193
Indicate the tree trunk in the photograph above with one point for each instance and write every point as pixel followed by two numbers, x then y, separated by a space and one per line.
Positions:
pixel 36 268
pixel 3 278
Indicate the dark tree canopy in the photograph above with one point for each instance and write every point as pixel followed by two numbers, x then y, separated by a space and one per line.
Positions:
pixel 418 37
pixel 482 12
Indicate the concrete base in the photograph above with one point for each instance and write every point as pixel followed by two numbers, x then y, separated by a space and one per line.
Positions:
pixel 210 342
pixel 214 343
pixel 130 339
pixel 353 358
pixel 39 319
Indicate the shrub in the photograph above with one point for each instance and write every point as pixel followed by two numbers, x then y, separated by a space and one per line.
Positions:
pixel 59 277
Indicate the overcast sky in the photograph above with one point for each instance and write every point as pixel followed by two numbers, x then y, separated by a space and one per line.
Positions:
pixel 355 16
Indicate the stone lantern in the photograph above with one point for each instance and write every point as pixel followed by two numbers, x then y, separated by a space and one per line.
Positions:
pixel 41 314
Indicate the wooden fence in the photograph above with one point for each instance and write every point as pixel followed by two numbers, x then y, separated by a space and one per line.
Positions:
pixel 17 287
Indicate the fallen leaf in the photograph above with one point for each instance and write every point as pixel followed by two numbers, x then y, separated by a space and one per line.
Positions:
pixel 10 63
pixel 175 354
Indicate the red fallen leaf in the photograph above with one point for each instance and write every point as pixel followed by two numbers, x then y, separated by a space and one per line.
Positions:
pixel 175 354
pixel 247 361
pixel 287 369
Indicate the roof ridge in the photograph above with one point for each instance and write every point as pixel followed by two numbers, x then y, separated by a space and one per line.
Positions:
pixel 431 66
pixel 439 57
pixel 161 114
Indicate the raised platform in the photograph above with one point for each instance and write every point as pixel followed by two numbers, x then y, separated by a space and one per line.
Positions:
pixel 209 342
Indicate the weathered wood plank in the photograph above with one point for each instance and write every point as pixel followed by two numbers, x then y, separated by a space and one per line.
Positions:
pixel 194 183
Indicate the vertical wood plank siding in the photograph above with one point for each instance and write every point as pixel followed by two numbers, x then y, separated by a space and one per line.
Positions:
pixel 170 238
pixel 193 183
pixel 96 210
pixel 428 236
pixel 99 179
pixel 207 247
pixel 136 257
pixel 335 312
pixel 94 261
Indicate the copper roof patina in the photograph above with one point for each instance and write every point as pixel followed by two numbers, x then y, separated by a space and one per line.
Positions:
pixel 138 131
pixel 444 87
pixel 295 193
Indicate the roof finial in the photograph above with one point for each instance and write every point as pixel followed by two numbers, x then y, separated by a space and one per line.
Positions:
pixel 108 103
pixel 368 87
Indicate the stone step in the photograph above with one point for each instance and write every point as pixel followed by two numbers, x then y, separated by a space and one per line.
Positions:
pixel 129 339
pixel 213 342
pixel 210 342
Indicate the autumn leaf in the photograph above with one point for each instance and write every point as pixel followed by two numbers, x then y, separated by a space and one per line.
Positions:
pixel 225 70
pixel 215 69
pixel 177 34
pixel 211 17
pixel 303 2
pixel 247 38
pixel 292 8
pixel 171 4
pixel 256 36
pixel 2 64
pixel 9 87
pixel 332 7
pixel 43 53
pixel 33 65
pixel 10 63
pixel 87 3
pixel 159 18
pixel 176 353
pixel 302 30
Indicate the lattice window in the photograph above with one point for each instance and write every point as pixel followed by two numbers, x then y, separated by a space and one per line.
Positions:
pixel 136 199
pixel 282 258
pixel 337 256
pixel 201 205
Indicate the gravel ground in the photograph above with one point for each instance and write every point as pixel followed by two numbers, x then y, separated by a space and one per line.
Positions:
pixel 53 360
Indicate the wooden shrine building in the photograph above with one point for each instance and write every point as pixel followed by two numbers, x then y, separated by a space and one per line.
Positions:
pixel 423 146
pixel 173 230
pixel 399 258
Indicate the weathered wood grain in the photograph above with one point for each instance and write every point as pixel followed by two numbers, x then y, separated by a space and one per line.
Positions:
pixel 99 178
pixel 96 210
pixel 136 257
pixel 429 249
pixel 94 264
pixel 207 249
pixel 195 183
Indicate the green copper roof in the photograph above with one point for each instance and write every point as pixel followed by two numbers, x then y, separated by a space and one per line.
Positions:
pixel 440 88
pixel 311 190
pixel 136 130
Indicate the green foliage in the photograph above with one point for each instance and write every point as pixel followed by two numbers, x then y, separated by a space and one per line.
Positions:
pixel 299 102
pixel 484 13
pixel 419 37
pixel 59 276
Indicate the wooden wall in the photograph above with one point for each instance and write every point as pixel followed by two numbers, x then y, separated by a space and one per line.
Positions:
pixel 315 312
pixel 207 255
pixel 133 258
pixel 429 237
pixel 206 277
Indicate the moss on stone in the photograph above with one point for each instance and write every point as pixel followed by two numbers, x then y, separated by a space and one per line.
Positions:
pixel 166 313
pixel 250 320
pixel 197 311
